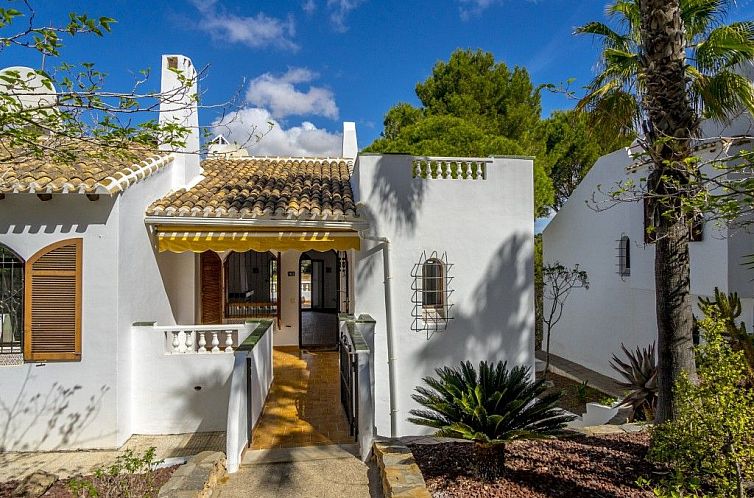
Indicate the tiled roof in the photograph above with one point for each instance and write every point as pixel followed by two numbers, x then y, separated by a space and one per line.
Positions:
pixel 88 173
pixel 278 188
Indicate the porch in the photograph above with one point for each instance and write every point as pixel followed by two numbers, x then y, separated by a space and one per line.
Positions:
pixel 303 407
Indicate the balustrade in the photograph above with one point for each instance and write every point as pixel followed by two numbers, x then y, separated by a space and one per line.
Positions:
pixel 193 339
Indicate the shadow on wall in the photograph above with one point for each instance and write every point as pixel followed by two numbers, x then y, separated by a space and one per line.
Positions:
pixel 29 420
pixel 208 405
pixel 501 323
pixel 65 213
pixel 400 199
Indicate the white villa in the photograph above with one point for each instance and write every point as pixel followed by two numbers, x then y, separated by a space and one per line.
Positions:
pixel 150 298
pixel 613 248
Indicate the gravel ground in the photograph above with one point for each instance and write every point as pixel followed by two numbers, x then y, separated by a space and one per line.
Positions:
pixel 579 466
pixel 60 489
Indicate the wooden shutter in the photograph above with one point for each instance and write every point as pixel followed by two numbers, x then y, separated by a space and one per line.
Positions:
pixel 212 288
pixel 52 304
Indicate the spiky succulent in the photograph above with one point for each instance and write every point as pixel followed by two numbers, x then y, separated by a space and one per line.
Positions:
pixel 640 374
pixel 490 407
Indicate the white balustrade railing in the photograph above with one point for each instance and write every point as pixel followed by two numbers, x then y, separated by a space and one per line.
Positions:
pixel 202 339
pixel 450 168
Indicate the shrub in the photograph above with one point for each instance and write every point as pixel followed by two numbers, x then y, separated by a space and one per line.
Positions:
pixel 129 476
pixel 711 440
pixel 490 408
pixel 640 374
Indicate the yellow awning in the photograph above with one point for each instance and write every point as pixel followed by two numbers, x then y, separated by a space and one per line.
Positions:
pixel 261 241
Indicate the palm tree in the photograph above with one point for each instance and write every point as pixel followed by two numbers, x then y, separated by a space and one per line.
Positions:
pixel 490 407
pixel 672 63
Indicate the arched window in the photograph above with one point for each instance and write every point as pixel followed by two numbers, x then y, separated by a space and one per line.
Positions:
pixel 11 301
pixel 624 256
pixel 433 287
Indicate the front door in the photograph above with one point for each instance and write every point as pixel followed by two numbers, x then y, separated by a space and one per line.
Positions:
pixel 319 300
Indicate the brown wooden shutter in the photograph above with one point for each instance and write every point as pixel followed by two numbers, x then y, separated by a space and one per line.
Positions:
pixel 52 304
pixel 211 286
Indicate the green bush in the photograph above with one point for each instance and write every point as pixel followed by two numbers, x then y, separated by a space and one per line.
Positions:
pixel 490 408
pixel 710 444
pixel 130 476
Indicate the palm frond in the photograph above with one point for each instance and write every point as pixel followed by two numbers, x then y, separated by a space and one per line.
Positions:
pixel 725 47
pixel 490 405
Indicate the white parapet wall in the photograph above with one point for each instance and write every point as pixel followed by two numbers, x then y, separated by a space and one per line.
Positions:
pixel 252 363
pixel 179 391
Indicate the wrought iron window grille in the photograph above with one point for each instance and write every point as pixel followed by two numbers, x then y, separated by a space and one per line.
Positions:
pixel 624 256
pixel 431 279
pixel 11 301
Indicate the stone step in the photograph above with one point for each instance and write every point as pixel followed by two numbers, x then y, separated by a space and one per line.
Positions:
pixel 301 454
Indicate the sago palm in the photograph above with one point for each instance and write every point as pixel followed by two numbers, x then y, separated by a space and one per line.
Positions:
pixel 713 52
pixel 490 407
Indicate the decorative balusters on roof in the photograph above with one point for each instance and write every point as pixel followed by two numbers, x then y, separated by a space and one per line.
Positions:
pixel 450 168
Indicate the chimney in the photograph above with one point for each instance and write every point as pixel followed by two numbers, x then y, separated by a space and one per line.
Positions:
pixel 179 105
pixel 350 146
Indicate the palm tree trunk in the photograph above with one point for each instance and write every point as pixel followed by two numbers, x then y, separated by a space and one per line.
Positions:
pixel 490 460
pixel 671 125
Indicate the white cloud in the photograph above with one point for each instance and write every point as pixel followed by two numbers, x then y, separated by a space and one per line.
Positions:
pixel 309 6
pixel 471 8
pixel 280 96
pixel 303 140
pixel 254 31
pixel 339 10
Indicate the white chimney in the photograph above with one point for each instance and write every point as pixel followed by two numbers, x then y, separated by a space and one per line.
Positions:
pixel 350 146
pixel 179 105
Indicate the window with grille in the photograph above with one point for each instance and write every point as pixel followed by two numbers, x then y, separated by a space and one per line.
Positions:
pixel 433 287
pixel 624 256
pixel 11 301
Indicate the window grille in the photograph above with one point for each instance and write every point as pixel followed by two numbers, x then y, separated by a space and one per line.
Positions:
pixel 431 278
pixel 11 301
pixel 624 256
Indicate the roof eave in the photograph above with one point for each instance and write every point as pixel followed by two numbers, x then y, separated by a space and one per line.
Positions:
pixel 346 224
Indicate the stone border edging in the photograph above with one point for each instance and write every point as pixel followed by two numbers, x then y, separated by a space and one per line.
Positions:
pixel 401 477
pixel 197 477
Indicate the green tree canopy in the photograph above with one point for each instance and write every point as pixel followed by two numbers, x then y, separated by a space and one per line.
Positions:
pixel 572 146
pixel 472 106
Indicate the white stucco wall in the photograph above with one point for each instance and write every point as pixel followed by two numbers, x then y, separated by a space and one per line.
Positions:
pixel 177 393
pixel 67 404
pixel 617 309
pixel 486 229
pixel 89 404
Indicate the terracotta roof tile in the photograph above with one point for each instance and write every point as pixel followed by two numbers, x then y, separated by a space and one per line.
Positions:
pixel 300 188
pixel 89 173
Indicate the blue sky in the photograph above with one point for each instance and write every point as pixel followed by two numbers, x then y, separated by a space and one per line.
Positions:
pixel 311 64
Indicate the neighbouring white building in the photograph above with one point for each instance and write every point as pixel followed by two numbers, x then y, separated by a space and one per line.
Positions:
pixel 611 245
pixel 147 298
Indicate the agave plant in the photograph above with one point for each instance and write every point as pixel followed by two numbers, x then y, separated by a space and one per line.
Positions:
pixel 490 408
pixel 640 374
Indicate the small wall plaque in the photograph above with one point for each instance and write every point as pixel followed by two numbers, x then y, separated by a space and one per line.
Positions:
pixel 291 273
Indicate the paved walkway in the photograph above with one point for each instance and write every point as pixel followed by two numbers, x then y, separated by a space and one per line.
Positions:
pixel 303 407
pixel 322 472
pixel 566 368
pixel 14 466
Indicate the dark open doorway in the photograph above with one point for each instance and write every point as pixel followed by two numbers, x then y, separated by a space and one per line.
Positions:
pixel 322 276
